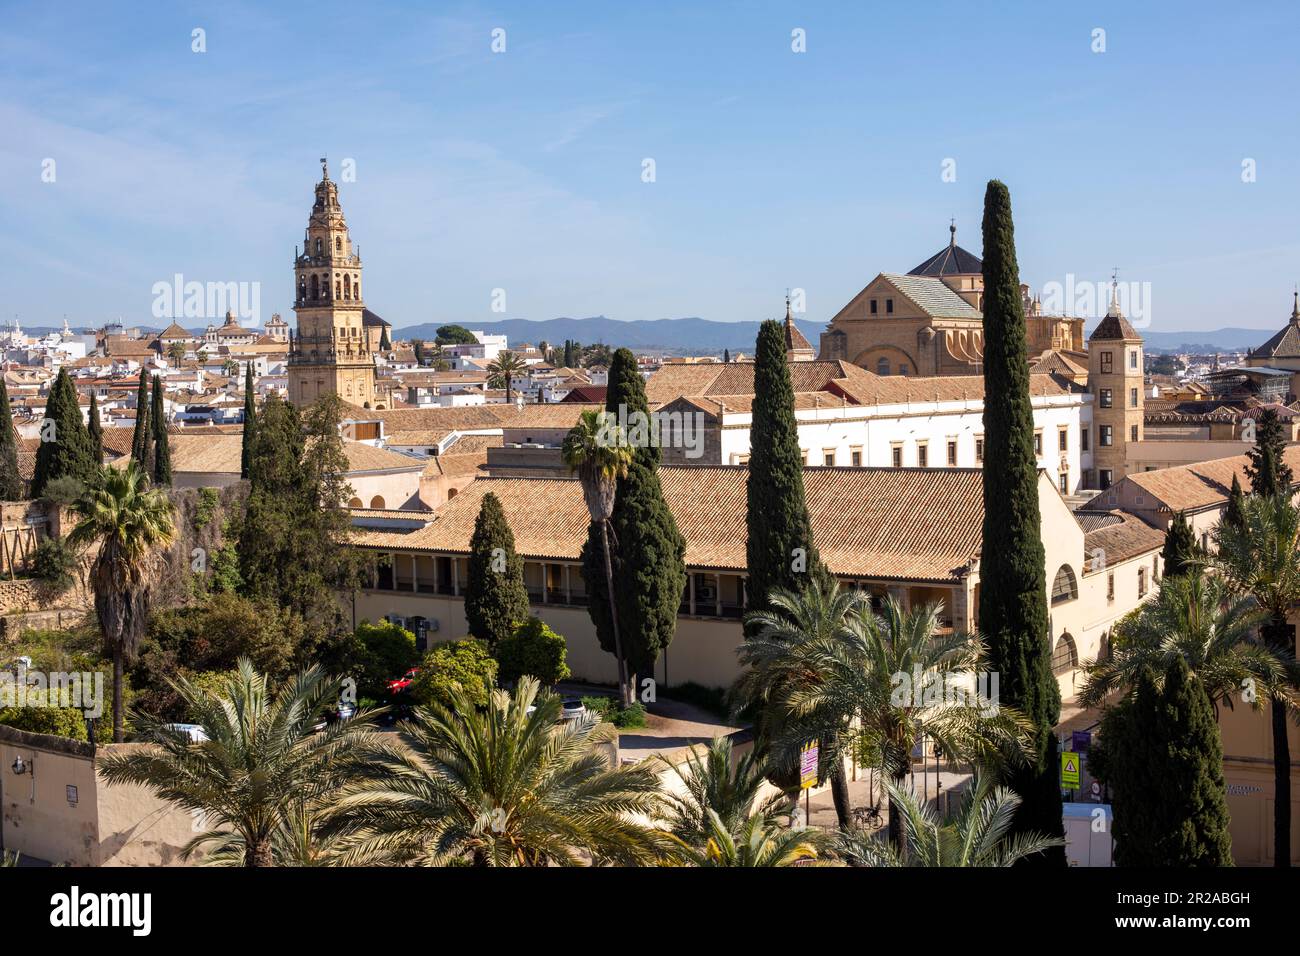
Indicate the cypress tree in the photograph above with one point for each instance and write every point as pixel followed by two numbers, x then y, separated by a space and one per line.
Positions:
pixel 649 557
pixel 250 422
pixel 162 456
pixel 726 356
pixel 11 482
pixel 140 444
pixel 417 346
pixel 384 344
pixel 1161 754
pixel 1235 512
pixel 779 551
pixel 495 598
pixel 1181 550
pixel 1268 471
pixel 1013 583
pixel 65 443
pixel 96 431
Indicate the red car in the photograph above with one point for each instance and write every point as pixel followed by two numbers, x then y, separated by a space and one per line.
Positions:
pixel 403 682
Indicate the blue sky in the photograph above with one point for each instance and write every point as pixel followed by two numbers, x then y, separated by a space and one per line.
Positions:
pixel 522 170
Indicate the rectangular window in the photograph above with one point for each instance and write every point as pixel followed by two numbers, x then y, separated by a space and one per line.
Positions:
pixel 1110 587
pixel 1132 433
pixel 1106 363
pixel 1083 437
pixel 828 456
pixel 1106 401
pixel 1065 482
pixel 873 306
pixel 979 450
pixel 1105 478
pixel 889 306
pixel 952 454
pixel 922 455
pixel 1155 567
pixel 897 454
pixel 1132 398
pixel 1063 439
pixel 1038 444
pixel 1107 435
pixel 1133 358
pixel 1142 582
pixel 857 457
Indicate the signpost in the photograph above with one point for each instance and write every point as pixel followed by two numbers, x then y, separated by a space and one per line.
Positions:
pixel 808 776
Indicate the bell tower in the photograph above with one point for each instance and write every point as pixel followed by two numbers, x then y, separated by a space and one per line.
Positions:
pixel 330 355
pixel 1115 378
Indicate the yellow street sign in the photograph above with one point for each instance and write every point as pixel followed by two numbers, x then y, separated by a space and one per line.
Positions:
pixel 1069 769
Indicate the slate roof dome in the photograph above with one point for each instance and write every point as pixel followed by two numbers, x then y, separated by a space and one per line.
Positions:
pixel 952 260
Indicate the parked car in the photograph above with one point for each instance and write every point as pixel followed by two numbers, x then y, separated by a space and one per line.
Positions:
pixel 404 682
pixel 193 731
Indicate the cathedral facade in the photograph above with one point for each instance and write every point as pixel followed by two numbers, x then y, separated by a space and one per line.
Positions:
pixel 331 353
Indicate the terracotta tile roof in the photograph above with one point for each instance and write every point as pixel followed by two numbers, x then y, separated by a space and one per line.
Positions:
pixel 898 523
pixel 428 426
pixel 457 466
pixel 363 457
pixel 1196 486
pixel 1119 540
pixel 206 454
pixel 470 444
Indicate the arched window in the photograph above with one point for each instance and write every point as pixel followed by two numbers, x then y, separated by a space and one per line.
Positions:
pixel 338 289
pixel 882 366
pixel 356 287
pixel 347 287
pixel 338 243
pixel 377 501
pixel 1065 657
pixel 452 493
pixel 1066 586
pixel 355 503
pixel 302 289
pixel 318 247
pixel 315 287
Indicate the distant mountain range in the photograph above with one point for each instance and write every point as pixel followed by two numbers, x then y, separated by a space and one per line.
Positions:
pixel 703 336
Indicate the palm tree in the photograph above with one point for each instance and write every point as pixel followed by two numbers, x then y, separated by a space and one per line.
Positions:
pixel 892 679
pixel 1260 556
pixel 131 524
pixel 1199 618
pixel 598 451
pixel 295 841
pixel 715 783
pixel 759 840
pixel 503 369
pixel 176 352
pixel 975 835
pixel 511 785
pixel 776 656
pixel 262 767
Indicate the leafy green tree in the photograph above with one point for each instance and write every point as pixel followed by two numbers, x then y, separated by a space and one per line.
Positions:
pixel 388 651
pixel 453 668
pixel 454 335
pixel 1160 753
pixel 95 429
pixel 1182 553
pixel 1261 557
pixel 976 834
pixel 130 524
pixel 417 346
pixel 65 449
pixel 1013 584
pixel 262 761
pixel 597 450
pixel 250 422
pixel 1267 470
pixel 649 554
pixel 533 650
pixel 162 456
pixel 496 600
pixel 141 438
pixel 779 548
pixel 11 482
pixel 506 785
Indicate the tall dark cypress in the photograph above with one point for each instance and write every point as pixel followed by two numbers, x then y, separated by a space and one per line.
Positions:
pixel 1013 582
pixel 648 549
pixel 141 437
pixel 1181 550
pixel 65 444
pixel 1268 471
pixel 384 344
pixel 779 551
pixel 11 482
pixel 162 456
pixel 96 431
pixel 1161 755
pixel 495 599
pixel 1235 512
pixel 250 422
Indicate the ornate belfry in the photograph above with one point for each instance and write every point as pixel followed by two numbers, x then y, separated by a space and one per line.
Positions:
pixel 329 355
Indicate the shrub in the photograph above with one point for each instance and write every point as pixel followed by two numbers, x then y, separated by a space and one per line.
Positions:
pixel 205 507
pixel 67 722
pixel 54 562
pixel 465 665
pixel 64 490
pixel 608 709
pixel 533 649
pixel 387 651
